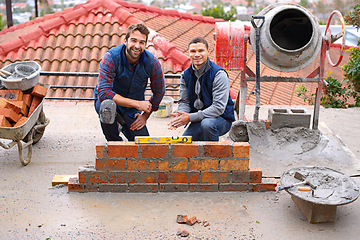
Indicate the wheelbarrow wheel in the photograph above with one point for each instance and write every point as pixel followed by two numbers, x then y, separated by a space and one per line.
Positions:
pixel 25 158
pixel 36 133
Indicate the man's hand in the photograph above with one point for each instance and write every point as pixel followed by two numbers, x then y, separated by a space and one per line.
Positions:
pixel 180 119
pixel 144 106
pixel 140 121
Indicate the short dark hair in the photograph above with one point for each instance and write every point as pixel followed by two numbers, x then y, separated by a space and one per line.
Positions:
pixel 199 40
pixel 139 27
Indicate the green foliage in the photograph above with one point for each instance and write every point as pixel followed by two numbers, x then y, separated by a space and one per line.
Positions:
pixel 336 94
pixel 353 17
pixel 218 12
pixel 352 68
pixel 2 23
pixel 303 93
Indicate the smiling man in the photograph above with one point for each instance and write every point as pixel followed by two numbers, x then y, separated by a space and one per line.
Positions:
pixel 120 92
pixel 205 100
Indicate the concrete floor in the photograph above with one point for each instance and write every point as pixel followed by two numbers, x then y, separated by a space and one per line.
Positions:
pixel 32 209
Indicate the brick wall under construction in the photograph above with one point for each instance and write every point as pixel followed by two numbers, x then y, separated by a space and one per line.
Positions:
pixel 171 167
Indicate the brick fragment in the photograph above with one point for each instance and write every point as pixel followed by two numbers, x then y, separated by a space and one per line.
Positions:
pixel 39 91
pixel 11 94
pixel 191 221
pixel 21 121
pixel 4 122
pixel 184 233
pixel 10 114
pixel 181 218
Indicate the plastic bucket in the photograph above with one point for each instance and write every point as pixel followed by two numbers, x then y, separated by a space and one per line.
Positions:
pixel 165 107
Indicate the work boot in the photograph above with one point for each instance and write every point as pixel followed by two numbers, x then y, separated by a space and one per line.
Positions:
pixel 107 111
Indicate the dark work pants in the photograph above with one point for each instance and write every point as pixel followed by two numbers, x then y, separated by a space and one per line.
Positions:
pixel 111 131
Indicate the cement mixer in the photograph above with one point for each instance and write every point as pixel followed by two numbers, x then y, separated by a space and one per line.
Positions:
pixel 290 40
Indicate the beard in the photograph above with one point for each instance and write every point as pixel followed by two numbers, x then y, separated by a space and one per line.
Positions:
pixel 132 55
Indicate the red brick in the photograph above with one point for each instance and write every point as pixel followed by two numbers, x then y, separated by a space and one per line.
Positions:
pixel 191 221
pixel 178 177
pixel 173 187
pixel 203 164
pixel 82 178
pixel 110 164
pixel 241 150
pixel 194 177
pixel 21 121
pixel 34 104
pixel 204 187
pixel 7 104
pixel 100 150
pixel 178 165
pixel 74 186
pixel 39 91
pixel 215 177
pixel 142 177
pixel 153 150
pixel 122 149
pixel 240 176
pixel 254 188
pixel 255 174
pixel 4 122
pixel 11 94
pixel 97 177
pixel 163 177
pixel 140 165
pixel 23 109
pixel 149 187
pixel 185 149
pixel 27 99
pixel 10 114
pixel 234 164
pixel 217 149
pixel 268 184
pixel 233 187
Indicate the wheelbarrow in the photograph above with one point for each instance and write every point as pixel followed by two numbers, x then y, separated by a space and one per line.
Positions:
pixel 26 135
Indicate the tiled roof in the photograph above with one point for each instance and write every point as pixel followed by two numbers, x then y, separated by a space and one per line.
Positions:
pixel 75 40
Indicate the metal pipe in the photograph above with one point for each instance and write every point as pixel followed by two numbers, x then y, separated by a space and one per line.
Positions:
pixel 89 74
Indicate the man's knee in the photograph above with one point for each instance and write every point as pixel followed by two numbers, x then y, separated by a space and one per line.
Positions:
pixel 207 124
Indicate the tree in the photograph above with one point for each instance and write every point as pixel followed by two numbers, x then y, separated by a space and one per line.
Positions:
pixel 218 12
pixel 2 23
pixel 352 67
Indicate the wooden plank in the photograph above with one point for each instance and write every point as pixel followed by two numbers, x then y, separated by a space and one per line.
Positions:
pixel 62 179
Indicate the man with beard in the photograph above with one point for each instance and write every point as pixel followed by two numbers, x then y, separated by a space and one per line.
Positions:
pixel 120 92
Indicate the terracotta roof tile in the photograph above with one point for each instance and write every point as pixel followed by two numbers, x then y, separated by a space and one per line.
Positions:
pixel 75 39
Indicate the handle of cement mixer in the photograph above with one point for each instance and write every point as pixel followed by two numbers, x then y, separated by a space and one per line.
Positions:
pixel 260 23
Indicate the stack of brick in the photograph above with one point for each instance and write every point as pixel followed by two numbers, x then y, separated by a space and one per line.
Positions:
pixel 17 106
pixel 178 167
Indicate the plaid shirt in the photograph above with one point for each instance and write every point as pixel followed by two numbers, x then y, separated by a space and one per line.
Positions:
pixel 107 75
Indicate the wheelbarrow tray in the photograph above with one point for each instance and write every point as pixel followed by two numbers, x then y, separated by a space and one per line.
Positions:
pixel 19 133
